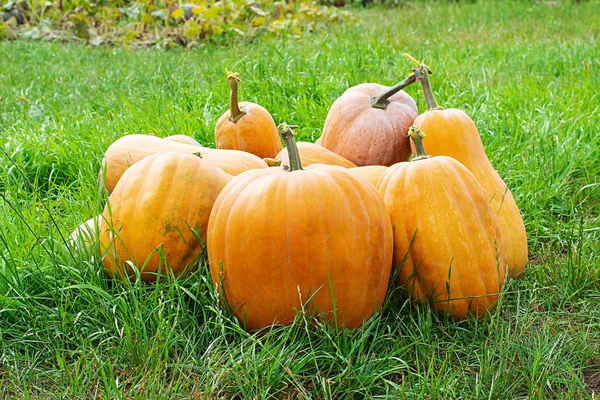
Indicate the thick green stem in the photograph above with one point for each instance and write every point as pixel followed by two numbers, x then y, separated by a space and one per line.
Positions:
pixel 417 137
pixel 234 107
pixel 381 101
pixel 287 134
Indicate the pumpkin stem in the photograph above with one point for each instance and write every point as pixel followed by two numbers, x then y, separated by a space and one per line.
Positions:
pixel 381 101
pixel 417 136
pixel 236 113
pixel 272 162
pixel 287 134
pixel 427 91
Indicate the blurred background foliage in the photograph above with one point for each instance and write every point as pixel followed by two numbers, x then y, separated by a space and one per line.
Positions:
pixel 163 23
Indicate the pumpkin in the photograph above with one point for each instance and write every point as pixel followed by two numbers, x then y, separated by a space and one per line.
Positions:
pixel 86 234
pixel 130 149
pixel 311 153
pixel 372 173
pixel 246 126
pixel 183 139
pixel 452 133
pixel 148 221
pixel 447 244
pixel 368 124
pixel 273 249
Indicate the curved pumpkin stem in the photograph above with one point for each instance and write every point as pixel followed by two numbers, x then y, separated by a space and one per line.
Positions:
pixel 423 76
pixel 381 101
pixel 287 134
pixel 236 113
pixel 417 136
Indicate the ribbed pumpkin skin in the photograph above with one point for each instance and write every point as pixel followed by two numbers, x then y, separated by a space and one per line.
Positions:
pixel 273 240
pixel 366 135
pixel 452 133
pixel 372 173
pixel 153 206
pixel 440 200
pixel 130 149
pixel 254 133
pixel 311 153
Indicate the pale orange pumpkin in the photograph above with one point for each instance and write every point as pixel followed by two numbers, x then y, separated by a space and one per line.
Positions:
pixel 452 133
pixel 149 220
pixel 246 126
pixel 274 249
pixel 311 153
pixel 130 149
pixel 368 124
pixel 447 244
pixel 185 139
pixel 86 234
pixel 372 173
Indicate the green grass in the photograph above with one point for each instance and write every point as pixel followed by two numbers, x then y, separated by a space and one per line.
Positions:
pixel 527 73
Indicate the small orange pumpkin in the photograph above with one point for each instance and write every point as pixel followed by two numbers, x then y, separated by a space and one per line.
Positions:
pixel 246 126
pixel 130 149
pixel 447 245
pixel 274 250
pixel 368 124
pixel 311 153
pixel 148 221
pixel 452 133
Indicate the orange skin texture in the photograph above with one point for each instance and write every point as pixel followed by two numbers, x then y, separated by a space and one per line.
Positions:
pixel 254 133
pixel 440 200
pixel 311 153
pixel 452 133
pixel 276 244
pixel 366 135
pixel 183 139
pixel 372 173
pixel 153 209
pixel 130 149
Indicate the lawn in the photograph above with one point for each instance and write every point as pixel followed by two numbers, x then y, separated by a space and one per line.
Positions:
pixel 527 73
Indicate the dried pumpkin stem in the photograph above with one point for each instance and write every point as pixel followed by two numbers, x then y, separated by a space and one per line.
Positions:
pixel 234 107
pixel 427 91
pixel 287 134
pixel 417 137
pixel 272 162
pixel 381 101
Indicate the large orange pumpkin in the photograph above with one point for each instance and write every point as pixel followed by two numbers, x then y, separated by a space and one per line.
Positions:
pixel 452 133
pixel 246 126
pixel 447 245
pixel 311 153
pixel 318 238
pixel 130 149
pixel 150 215
pixel 368 124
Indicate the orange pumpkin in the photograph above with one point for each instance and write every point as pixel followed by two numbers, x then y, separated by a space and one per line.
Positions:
pixel 447 245
pixel 246 126
pixel 311 153
pixel 130 149
pixel 150 215
pixel 452 133
pixel 368 124
pixel 372 173
pixel 273 249
pixel 185 139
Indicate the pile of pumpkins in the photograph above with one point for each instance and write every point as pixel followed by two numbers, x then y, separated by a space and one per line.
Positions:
pixel 320 227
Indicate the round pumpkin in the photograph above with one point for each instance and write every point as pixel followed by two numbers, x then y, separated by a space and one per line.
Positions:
pixel 157 216
pixel 368 124
pixel 447 244
pixel 451 132
pixel 372 173
pixel 130 149
pixel 246 126
pixel 185 139
pixel 273 249
pixel 311 153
